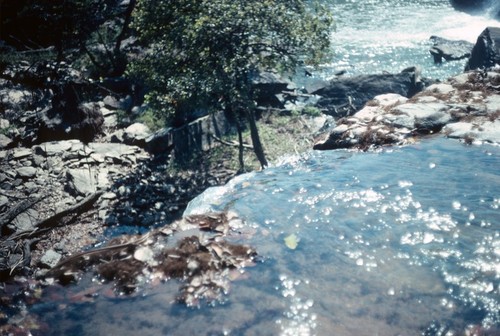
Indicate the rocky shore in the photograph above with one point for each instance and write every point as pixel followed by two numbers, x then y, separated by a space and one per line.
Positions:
pixel 66 182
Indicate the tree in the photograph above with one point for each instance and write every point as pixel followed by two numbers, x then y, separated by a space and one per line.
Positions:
pixel 206 53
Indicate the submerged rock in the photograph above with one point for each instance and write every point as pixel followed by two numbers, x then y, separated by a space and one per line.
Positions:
pixel 194 249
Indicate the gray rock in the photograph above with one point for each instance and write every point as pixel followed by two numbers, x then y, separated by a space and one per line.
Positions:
pixel 3 201
pixel 26 172
pixel 423 117
pixel 25 221
pixel 344 96
pixel 55 147
pixel 50 259
pixel 136 134
pixel 21 153
pixel 5 141
pixel 160 142
pixel 81 181
pixel 111 102
pixel 449 50
pixel 4 123
pixel 486 51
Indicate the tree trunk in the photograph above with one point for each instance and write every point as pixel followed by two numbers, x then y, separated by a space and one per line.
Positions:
pixel 254 132
pixel 240 147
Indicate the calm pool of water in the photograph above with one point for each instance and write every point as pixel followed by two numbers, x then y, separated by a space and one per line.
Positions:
pixel 400 242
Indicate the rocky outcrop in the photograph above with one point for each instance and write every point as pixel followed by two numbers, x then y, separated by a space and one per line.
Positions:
pixel 486 51
pixel 343 96
pixel 466 107
pixel 490 7
pixel 449 50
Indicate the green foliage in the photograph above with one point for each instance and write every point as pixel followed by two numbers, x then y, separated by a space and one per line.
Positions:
pixel 312 111
pixel 207 52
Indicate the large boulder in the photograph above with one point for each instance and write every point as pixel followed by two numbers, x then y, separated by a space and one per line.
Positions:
pixel 486 51
pixel 449 50
pixel 343 96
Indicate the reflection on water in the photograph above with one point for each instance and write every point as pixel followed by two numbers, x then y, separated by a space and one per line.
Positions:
pixel 400 242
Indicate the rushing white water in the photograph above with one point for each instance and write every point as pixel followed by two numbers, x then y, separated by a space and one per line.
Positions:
pixel 389 35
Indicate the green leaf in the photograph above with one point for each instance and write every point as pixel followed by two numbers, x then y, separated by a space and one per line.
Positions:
pixel 291 241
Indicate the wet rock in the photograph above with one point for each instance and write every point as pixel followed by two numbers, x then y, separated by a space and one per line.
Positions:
pixel 449 50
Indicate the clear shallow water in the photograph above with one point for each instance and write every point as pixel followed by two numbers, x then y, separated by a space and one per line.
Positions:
pixel 400 242
pixel 373 36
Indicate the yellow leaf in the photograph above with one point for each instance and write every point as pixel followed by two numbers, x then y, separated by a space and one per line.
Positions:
pixel 291 241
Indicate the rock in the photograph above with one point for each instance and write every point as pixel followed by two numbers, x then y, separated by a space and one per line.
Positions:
pixel 449 50
pixel 160 142
pixel 344 96
pixel 4 123
pixel 55 147
pixel 81 181
pixel 20 153
pixel 466 107
pixel 486 51
pixel 268 85
pixel 5 142
pixel 489 131
pixel 111 102
pixel 3 201
pixel 69 119
pixel 491 7
pixel 26 172
pixel 25 221
pixel 136 135
pixel 50 259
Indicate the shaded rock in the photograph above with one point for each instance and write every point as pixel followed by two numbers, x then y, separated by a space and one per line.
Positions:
pixel 490 7
pixel 344 96
pixel 486 51
pixel 267 85
pixel 70 119
pixel 160 142
pixel 449 50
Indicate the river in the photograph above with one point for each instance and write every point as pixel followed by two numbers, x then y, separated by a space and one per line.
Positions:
pixel 402 241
